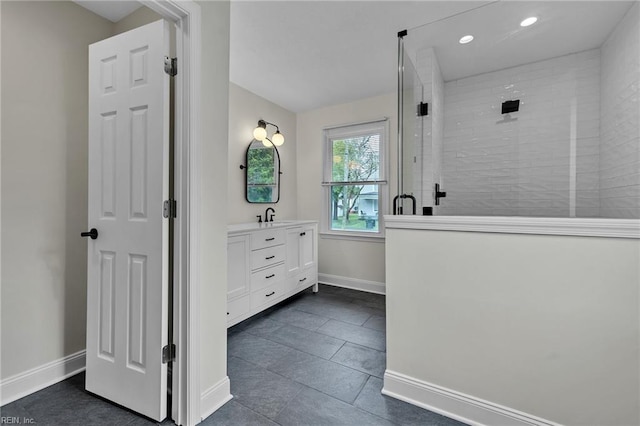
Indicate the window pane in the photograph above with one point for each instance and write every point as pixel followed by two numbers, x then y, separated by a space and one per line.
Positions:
pixel 356 159
pixel 354 208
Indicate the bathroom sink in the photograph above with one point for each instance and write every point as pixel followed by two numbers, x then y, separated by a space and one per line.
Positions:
pixel 240 227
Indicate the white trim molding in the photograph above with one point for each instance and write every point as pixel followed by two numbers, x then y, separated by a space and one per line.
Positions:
pixel 456 405
pixel 186 15
pixel 30 381
pixel 582 227
pixel 352 283
pixel 215 397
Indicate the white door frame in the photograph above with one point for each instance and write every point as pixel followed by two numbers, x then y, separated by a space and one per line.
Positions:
pixel 185 14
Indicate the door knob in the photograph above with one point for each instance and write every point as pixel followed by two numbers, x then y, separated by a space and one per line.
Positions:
pixel 93 233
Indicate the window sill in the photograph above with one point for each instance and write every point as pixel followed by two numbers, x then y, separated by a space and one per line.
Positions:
pixel 352 236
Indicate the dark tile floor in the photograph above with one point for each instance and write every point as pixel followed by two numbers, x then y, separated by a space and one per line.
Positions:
pixel 315 359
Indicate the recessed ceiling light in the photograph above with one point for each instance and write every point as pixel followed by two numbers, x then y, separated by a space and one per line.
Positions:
pixel 466 39
pixel 529 21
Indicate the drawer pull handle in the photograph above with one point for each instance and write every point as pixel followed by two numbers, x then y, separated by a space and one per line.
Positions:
pixel 269 258
pixel 302 234
pixel 270 294
pixel 303 280
pixel 270 276
pixel 270 239
pixel 227 313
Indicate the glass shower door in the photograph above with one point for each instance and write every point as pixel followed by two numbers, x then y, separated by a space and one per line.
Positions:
pixel 411 92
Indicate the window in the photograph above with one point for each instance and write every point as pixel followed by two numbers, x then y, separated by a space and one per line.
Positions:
pixel 355 179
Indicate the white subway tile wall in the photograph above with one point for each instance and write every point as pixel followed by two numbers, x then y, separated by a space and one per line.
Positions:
pixel 620 120
pixel 519 164
pixel 573 149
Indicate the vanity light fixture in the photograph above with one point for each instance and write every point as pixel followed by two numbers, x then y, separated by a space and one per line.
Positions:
pixel 529 21
pixel 466 39
pixel 260 134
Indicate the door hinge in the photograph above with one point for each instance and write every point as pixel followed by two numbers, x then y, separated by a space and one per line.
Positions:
pixel 168 353
pixel 170 209
pixel 423 109
pixel 171 66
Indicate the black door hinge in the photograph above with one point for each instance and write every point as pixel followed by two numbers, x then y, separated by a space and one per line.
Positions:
pixel 170 209
pixel 171 66
pixel 168 353
pixel 423 109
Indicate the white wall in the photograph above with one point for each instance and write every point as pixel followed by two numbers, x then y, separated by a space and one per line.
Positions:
pixel 545 325
pixel 620 117
pixel 245 109
pixel 44 180
pixel 341 258
pixel 137 18
pixel 522 168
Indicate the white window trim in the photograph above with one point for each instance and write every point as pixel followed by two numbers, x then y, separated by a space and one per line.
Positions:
pixel 345 131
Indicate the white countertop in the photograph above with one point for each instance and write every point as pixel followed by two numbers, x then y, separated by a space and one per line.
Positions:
pixel 255 226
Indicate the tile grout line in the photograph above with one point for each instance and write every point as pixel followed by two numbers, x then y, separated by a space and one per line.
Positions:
pixel 302 386
pixel 297 349
pixel 255 412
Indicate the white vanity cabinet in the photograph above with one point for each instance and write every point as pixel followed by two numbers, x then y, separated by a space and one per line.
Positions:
pixel 301 263
pixel 267 263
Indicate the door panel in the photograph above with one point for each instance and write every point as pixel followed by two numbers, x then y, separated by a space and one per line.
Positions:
pixel 107 304
pixel 127 293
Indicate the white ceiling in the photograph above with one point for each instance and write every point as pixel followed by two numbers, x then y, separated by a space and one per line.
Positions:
pixel 563 27
pixel 309 54
pixel 304 55
pixel 113 10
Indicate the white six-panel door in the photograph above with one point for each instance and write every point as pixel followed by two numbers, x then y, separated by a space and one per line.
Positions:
pixel 127 307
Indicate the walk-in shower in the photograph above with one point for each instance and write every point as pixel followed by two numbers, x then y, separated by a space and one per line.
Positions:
pixel 538 120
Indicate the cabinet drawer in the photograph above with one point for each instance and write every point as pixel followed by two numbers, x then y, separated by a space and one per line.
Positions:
pixel 267 295
pixel 267 256
pixel 266 277
pixel 238 307
pixel 302 280
pixel 267 238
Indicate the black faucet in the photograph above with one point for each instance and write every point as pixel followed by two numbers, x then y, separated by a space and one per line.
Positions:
pixel 268 218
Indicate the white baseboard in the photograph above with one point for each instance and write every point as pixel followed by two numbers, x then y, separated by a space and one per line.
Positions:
pixel 23 384
pixel 352 283
pixel 456 405
pixel 215 397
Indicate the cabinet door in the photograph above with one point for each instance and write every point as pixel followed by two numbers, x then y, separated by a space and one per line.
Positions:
pixel 238 276
pixel 293 261
pixel 307 244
